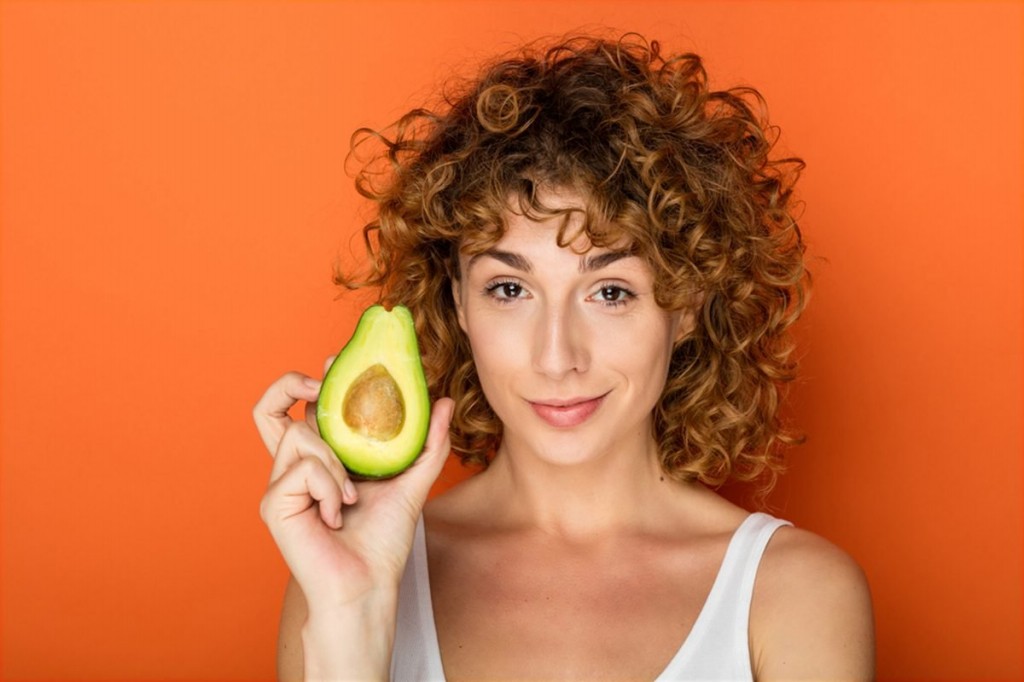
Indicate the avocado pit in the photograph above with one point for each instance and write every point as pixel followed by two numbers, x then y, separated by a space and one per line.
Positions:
pixel 373 406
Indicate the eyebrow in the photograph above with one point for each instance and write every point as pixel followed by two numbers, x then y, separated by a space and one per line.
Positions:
pixel 603 260
pixel 514 260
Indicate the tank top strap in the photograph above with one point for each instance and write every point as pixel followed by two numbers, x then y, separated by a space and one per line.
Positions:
pixel 718 647
pixel 416 655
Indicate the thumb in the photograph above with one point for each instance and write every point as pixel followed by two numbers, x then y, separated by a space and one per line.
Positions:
pixel 422 474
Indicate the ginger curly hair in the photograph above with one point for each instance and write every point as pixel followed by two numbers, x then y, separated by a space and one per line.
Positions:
pixel 678 171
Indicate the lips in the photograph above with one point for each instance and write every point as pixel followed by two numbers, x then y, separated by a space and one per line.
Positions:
pixel 566 413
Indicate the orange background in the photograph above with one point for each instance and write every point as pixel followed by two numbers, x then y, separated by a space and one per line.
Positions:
pixel 173 196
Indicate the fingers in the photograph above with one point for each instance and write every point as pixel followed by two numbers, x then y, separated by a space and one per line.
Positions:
pixel 310 416
pixel 298 489
pixel 328 362
pixel 306 474
pixel 310 413
pixel 271 412
pixel 430 462
pixel 299 444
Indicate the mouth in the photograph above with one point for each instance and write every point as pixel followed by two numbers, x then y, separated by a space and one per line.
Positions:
pixel 566 413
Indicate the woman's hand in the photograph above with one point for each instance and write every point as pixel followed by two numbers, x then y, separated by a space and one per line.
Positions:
pixel 345 542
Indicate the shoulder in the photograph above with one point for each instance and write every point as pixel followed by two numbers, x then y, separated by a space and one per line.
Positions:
pixel 811 614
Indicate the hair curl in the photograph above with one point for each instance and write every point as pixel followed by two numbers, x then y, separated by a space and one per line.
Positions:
pixel 679 171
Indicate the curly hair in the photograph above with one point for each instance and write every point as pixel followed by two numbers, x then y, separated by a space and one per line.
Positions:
pixel 678 171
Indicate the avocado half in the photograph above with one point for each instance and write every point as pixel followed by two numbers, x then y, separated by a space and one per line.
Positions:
pixel 374 407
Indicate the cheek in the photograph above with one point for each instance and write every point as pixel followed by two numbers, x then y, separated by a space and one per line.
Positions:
pixel 643 358
pixel 650 362
pixel 497 357
pixel 494 346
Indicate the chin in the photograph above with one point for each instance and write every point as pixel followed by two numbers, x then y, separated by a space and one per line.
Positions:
pixel 566 448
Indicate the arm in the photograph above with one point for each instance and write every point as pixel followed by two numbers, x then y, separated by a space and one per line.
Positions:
pixel 289 634
pixel 345 543
pixel 811 616
pixel 303 641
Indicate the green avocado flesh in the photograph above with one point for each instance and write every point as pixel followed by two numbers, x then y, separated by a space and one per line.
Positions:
pixel 374 408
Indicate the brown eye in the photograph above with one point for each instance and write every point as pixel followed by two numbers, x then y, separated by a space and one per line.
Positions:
pixel 505 291
pixel 610 294
pixel 613 295
pixel 510 290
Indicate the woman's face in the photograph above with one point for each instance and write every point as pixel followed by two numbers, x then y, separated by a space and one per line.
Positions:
pixel 571 349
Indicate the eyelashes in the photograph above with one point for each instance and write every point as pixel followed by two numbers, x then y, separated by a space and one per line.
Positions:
pixel 608 294
pixel 504 291
pixel 614 295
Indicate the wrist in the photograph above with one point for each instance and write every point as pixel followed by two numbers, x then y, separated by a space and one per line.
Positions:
pixel 352 641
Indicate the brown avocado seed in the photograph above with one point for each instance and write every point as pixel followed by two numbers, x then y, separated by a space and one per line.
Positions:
pixel 373 405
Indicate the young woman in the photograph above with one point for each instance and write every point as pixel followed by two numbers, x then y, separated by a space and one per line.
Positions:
pixel 601 265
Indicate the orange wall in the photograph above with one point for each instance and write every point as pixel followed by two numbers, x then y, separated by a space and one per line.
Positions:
pixel 172 196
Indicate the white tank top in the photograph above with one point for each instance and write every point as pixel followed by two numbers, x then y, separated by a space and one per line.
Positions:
pixel 716 649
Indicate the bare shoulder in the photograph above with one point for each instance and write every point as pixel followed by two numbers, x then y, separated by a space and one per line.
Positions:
pixel 811 616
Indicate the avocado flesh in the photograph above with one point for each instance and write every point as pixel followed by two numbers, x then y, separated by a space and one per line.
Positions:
pixel 374 408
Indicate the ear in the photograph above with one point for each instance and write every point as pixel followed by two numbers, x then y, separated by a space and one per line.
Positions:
pixel 684 323
pixel 457 297
pixel 687 319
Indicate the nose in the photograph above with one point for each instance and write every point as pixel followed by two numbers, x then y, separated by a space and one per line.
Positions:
pixel 560 342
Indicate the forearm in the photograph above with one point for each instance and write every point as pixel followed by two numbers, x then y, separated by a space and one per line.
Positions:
pixel 352 642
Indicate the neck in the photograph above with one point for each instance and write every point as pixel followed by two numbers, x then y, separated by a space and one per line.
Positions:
pixel 608 492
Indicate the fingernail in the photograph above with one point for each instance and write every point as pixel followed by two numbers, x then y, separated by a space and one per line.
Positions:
pixel 312 383
pixel 350 489
pixel 337 519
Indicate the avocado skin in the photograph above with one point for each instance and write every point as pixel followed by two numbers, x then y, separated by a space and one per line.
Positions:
pixel 388 339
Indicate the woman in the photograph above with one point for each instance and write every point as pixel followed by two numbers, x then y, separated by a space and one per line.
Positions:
pixel 602 268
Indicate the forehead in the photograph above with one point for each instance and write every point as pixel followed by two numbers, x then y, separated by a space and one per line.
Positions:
pixel 532 247
pixel 553 215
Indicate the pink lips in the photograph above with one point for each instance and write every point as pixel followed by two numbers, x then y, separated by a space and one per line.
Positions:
pixel 566 414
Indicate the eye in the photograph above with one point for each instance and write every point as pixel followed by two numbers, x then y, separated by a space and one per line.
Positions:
pixel 505 292
pixel 613 295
